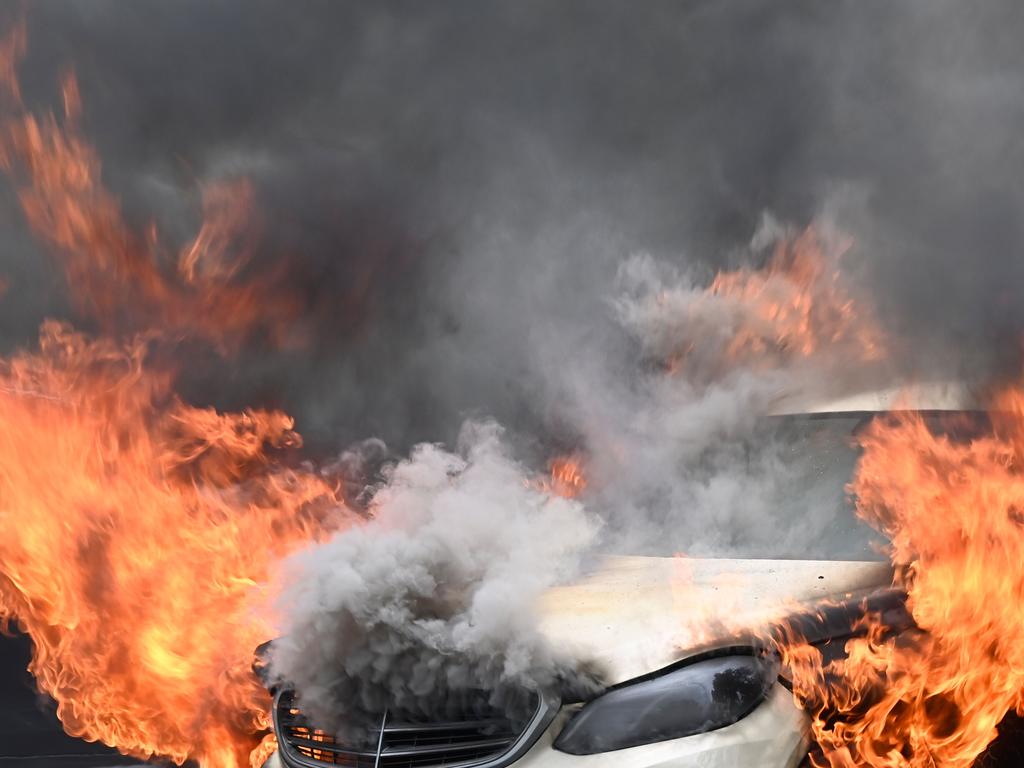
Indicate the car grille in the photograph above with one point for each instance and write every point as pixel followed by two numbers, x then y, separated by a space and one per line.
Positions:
pixel 475 740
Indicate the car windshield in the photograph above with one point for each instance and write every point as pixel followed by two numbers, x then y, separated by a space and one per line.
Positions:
pixel 818 520
pixel 787 498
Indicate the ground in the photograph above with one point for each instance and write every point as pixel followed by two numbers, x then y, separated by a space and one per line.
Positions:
pixel 30 735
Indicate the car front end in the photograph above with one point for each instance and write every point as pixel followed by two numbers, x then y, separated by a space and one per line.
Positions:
pixel 671 700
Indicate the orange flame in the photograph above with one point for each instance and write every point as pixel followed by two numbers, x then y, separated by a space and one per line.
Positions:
pixel 566 477
pixel 226 214
pixel 952 509
pixel 797 306
pixel 136 530
pixel 116 274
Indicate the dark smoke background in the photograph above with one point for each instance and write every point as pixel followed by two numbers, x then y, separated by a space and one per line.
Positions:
pixel 457 182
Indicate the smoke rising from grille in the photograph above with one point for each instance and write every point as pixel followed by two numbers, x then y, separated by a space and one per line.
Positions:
pixel 429 609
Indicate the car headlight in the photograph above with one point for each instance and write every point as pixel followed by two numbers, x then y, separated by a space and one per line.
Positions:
pixel 703 694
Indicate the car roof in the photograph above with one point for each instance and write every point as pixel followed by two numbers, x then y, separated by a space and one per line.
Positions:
pixel 929 396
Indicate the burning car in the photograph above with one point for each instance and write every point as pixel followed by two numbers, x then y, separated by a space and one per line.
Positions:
pixel 687 646
pixel 719 701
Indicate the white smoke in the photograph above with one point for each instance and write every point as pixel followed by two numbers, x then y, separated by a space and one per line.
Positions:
pixel 684 454
pixel 433 600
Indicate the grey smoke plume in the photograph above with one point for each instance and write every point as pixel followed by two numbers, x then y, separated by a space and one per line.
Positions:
pixel 681 442
pixel 433 602
pixel 457 182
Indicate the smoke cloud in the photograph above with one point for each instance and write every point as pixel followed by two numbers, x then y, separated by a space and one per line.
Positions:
pixel 684 452
pixel 431 606
pixel 456 184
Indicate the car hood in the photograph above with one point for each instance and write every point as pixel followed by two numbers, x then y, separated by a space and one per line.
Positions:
pixel 634 615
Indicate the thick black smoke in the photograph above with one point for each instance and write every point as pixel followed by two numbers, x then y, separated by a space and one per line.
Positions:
pixel 457 182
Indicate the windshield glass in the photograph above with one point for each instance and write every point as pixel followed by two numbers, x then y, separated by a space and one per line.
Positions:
pixel 815 511
pixel 782 494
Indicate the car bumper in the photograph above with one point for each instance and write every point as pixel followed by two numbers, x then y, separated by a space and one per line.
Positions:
pixel 772 736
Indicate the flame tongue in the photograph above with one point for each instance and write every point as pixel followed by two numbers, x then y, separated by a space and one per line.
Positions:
pixel 135 529
pixel 795 309
pixel 568 478
pixel 133 532
pixel 951 508
pixel 796 306
pixel 118 275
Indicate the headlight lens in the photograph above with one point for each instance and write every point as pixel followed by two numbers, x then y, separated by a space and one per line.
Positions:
pixel 700 696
